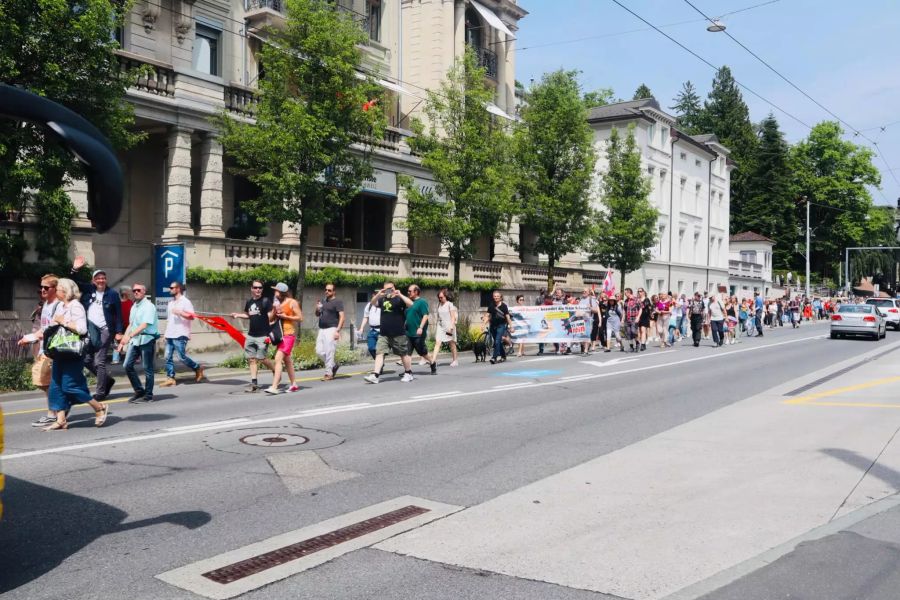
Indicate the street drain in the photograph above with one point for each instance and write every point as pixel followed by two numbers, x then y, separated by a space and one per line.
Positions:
pixel 285 554
pixel 270 440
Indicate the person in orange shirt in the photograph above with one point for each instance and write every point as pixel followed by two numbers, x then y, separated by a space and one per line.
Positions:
pixel 288 311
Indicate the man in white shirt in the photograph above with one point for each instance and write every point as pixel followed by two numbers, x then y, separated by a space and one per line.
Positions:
pixel 179 314
pixel 372 318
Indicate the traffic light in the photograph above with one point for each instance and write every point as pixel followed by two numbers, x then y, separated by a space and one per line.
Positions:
pixel 83 140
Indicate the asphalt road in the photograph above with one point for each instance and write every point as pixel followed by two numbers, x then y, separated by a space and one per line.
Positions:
pixel 101 513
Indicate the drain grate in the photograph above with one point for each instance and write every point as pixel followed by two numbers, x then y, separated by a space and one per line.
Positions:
pixel 257 564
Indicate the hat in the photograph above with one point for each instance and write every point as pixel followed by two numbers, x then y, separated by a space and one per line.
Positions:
pixel 97 272
pixel 281 287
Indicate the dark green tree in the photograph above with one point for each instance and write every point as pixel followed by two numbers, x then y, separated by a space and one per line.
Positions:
pixel 689 109
pixel 642 92
pixel 726 114
pixel 770 208
pixel 64 51
pixel 625 227
pixel 312 110
pixel 555 159
pixel 469 153
pixel 599 97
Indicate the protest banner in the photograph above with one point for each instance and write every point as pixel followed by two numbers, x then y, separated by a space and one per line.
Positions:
pixel 550 324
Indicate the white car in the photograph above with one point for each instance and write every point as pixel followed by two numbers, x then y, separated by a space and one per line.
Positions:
pixel 889 309
pixel 858 319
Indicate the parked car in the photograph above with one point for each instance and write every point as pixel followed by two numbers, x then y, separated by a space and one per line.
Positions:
pixel 858 319
pixel 889 309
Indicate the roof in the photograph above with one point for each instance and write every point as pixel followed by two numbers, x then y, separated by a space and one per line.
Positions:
pixel 749 236
pixel 705 138
pixel 622 109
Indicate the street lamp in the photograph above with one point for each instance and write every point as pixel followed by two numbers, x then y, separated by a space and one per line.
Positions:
pixel 805 199
pixel 716 26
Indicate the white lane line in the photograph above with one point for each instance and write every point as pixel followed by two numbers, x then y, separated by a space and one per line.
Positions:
pixel 366 406
pixel 512 386
pixel 214 424
pixel 576 377
pixel 436 395
pixel 608 363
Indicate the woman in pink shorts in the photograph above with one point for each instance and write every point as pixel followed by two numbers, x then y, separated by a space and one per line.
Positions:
pixel 288 311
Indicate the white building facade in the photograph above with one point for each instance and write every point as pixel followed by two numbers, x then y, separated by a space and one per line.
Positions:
pixel 690 179
pixel 750 266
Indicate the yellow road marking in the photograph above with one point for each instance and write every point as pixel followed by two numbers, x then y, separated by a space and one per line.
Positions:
pixel 223 375
pixel 812 399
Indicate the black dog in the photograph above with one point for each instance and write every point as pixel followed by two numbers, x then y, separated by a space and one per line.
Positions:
pixel 479 348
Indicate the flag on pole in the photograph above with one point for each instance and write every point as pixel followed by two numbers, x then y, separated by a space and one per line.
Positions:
pixel 222 325
pixel 609 285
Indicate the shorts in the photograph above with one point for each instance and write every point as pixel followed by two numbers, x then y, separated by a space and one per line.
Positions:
pixel 417 343
pixel 40 371
pixel 645 320
pixel 255 347
pixel 398 344
pixel 287 344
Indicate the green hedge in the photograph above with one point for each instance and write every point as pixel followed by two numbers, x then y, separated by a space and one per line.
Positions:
pixel 270 274
pixel 15 375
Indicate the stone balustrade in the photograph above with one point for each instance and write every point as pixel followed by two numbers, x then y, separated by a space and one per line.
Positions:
pixel 356 262
pixel 244 255
pixel 430 267
pixel 150 75
pixel 240 100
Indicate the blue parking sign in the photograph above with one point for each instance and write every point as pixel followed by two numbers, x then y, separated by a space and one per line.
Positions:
pixel 168 266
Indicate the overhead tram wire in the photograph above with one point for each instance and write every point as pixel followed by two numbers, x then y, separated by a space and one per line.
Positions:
pixel 711 65
pixel 796 87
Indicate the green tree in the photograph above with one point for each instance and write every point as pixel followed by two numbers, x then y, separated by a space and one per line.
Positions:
pixel 64 51
pixel 300 149
pixel 468 151
pixel 626 225
pixel 726 114
pixel 833 174
pixel 689 109
pixel 599 97
pixel 642 92
pixel 556 160
pixel 770 209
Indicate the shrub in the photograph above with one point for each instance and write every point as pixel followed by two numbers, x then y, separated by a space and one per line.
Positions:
pixel 15 375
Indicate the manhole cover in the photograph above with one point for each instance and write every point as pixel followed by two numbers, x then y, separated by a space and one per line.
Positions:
pixel 269 440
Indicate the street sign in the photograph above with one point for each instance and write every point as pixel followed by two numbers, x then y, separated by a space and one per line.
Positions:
pixel 168 265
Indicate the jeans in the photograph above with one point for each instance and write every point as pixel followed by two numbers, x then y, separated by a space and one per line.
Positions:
pixel 498 332
pixel 696 328
pixel 68 385
pixel 717 333
pixel 174 345
pixel 148 353
pixel 759 321
pixel 96 362
pixel 372 341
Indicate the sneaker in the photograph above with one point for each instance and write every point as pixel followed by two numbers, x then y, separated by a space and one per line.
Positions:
pixel 272 390
pixel 44 421
pixel 198 375
pixel 607 350
pixel 422 362
pixel 109 386
pixel 493 361
pixel 169 382
pixel 434 368
pixel 294 388
pixel 140 399
pixel 136 397
pixel 455 363
pixel 407 377
pixel 251 388
pixel 334 370
pixel 371 378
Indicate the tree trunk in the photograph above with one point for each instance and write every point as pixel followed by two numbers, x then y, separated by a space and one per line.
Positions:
pixel 622 282
pixel 551 280
pixel 301 267
pixel 456 262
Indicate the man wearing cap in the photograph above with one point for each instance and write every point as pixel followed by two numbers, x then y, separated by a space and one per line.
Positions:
pixel 104 315
pixel 179 314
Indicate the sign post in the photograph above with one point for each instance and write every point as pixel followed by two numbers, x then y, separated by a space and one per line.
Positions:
pixel 169 265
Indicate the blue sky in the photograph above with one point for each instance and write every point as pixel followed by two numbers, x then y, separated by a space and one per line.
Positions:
pixel 846 55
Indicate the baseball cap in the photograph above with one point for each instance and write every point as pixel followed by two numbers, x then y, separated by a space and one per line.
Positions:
pixel 97 272
pixel 281 287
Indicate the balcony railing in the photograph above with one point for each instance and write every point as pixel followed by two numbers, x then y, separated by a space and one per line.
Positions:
pixel 240 100
pixel 488 60
pixel 741 268
pixel 150 76
pixel 277 5
pixel 357 262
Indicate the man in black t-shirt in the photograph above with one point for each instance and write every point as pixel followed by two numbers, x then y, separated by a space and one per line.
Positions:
pixel 500 323
pixel 260 312
pixel 392 335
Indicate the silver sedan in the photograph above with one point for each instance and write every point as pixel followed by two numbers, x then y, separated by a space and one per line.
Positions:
pixel 858 319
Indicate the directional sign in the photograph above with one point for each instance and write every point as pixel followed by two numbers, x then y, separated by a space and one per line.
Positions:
pixel 168 265
pixel 608 363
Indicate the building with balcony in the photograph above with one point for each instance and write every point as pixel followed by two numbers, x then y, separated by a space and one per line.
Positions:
pixel 750 265
pixel 690 187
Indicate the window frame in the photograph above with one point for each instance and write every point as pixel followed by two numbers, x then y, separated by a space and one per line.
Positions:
pixel 213 35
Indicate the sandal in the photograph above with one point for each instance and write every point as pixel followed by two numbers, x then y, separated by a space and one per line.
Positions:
pixel 100 416
pixel 55 426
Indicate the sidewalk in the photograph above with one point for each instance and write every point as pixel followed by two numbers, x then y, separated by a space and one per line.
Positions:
pixel 658 518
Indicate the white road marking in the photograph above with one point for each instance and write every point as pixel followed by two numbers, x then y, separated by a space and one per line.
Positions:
pixel 435 395
pixel 717 353
pixel 607 363
pixel 213 425
pixel 512 386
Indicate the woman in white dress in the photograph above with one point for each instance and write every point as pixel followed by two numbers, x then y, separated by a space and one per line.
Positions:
pixel 447 315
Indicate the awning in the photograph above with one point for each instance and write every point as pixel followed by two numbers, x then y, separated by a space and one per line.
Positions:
pixel 394 87
pixel 492 18
pixel 496 110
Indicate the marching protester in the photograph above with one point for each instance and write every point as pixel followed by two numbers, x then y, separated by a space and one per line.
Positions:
pixel 392 336
pixel 447 317
pixel 287 311
pixel 104 314
pixel 417 326
pixel 644 319
pixel 697 314
pixel 633 309
pixel 125 302
pixel 500 322
pixel 179 315
pixel 140 340
pixel 330 311
pixel 717 320
pixel 614 323
pixel 260 311
pixel 68 385
pixel 758 308
pixel 42 366
pixel 372 318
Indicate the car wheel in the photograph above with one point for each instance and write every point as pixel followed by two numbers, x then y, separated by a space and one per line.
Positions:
pixel 834 336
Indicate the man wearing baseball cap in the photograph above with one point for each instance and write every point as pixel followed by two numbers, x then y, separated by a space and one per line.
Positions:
pixel 104 315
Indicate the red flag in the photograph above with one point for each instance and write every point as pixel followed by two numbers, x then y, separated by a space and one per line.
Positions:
pixel 222 325
pixel 369 104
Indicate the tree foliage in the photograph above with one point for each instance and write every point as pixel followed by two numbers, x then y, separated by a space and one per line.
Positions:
pixel 599 97
pixel 689 109
pixel 642 92
pixel 626 226
pixel 64 51
pixel 555 157
pixel 307 150
pixel 468 151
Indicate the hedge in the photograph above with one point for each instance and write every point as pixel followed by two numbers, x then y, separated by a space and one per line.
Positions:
pixel 270 274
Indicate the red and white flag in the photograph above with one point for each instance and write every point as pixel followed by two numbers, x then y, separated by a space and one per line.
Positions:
pixel 609 285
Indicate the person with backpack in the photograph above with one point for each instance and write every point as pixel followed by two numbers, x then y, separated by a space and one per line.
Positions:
pixel 696 311
pixel 717 320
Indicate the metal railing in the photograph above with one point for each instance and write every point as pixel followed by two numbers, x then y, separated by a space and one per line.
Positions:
pixel 277 5
pixel 488 60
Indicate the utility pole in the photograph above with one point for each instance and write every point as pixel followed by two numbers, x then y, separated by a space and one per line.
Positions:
pixel 805 199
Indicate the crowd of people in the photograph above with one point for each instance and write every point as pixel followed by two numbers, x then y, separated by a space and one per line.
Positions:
pixel 94 320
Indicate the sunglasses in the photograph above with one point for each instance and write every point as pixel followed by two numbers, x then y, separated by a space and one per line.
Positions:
pixel 256 287
pixel 47 287
pixel 137 291
pixel 328 290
